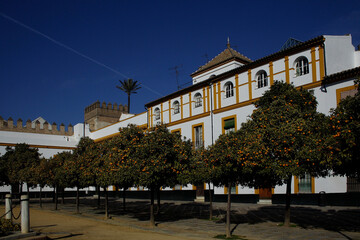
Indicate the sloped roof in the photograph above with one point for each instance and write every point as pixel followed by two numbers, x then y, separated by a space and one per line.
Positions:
pixel 225 56
pixel 349 73
pixel 291 42
pixel 272 57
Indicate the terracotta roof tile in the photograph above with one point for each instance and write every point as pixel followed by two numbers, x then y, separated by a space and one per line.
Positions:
pixel 224 56
pixel 349 73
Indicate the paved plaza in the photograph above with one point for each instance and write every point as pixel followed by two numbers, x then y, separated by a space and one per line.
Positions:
pixel 188 220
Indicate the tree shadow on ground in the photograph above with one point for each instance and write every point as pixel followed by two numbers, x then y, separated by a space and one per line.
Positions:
pixel 306 217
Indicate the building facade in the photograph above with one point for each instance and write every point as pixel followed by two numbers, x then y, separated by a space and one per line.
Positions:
pixel 224 90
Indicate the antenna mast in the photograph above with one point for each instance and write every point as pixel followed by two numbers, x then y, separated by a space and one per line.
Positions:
pixel 176 69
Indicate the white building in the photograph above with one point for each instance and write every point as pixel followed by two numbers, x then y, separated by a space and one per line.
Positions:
pixel 222 95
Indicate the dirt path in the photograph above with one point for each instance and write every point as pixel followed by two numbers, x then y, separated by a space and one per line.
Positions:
pixel 57 225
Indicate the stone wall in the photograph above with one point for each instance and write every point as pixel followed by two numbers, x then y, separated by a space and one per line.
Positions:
pixel 99 115
pixel 9 125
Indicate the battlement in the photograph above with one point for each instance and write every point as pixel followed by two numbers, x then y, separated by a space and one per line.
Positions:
pixel 99 115
pixel 35 127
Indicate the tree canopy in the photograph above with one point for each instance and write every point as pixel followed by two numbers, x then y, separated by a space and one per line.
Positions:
pixel 285 137
pixel 344 140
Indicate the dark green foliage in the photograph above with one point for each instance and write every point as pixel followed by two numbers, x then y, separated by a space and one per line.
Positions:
pixel 6 226
pixel 285 135
pixel 129 86
pixel 344 141
pixel 121 156
pixel 285 138
pixel 161 157
pixel 20 163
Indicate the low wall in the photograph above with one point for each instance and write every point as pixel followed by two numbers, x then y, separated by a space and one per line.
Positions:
pixel 327 199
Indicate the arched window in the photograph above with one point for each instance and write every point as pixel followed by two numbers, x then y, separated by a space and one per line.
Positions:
pixel 157 113
pixel 229 89
pixel 301 65
pixel 261 79
pixel 198 100
pixel 176 107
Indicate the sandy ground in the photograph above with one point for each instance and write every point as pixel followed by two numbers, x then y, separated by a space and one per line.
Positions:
pixel 59 226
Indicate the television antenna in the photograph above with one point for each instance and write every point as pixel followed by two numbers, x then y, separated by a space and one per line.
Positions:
pixel 176 69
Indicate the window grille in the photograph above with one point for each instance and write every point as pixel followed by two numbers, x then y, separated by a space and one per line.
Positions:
pixel 229 90
pixel 176 107
pixel 198 100
pixel 301 66
pixel 198 137
pixel 262 79
pixel 157 113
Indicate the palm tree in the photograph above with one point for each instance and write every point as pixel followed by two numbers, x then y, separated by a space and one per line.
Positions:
pixel 129 86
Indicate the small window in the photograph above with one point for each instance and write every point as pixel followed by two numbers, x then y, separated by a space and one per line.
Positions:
pixel 157 113
pixel 229 125
pixel 305 184
pixel 229 90
pixel 176 107
pixel 198 100
pixel 261 79
pixel 198 137
pixel 301 66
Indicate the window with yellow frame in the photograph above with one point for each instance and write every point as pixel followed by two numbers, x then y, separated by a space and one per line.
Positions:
pixel 229 124
pixel 198 135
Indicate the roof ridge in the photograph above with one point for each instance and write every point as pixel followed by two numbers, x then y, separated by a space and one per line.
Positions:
pixel 227 54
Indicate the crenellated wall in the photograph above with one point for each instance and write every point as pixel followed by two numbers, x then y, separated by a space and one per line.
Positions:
pixel 99 115
pixel 45 128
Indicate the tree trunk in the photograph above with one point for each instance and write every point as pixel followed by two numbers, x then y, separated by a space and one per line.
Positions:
pixel 210 205
pixel 288 200
pixel 158 201
pixel 77 200
pixel 228 233
pixel 56 197
pixel 124 199
pixel 106 203
pixel 152 218
pixel 54 194
pixel 128 103
pixel 98 196
pixel 62 196
pixel 28 190
pixel 40 199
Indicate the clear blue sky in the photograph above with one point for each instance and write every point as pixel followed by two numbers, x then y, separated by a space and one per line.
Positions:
pixel 112 40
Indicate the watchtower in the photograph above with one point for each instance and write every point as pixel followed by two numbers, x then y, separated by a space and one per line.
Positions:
pixel 99 115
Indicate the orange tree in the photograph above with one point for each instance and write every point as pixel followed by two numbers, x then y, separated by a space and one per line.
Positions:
pixel 285 138
pixel 197 171
pixel 344 140
pixel 103 169
pixel 58 172
pixel 121 157
pixel 42 175
pixel 20 161
pixel 228 166
pixel 4 176
pixel 159 159
pixel 93 162
pixel 77 167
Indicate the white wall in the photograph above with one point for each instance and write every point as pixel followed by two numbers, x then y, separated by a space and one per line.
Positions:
pixel 339 53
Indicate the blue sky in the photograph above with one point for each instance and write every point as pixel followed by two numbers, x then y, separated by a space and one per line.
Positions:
pixel 57 57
